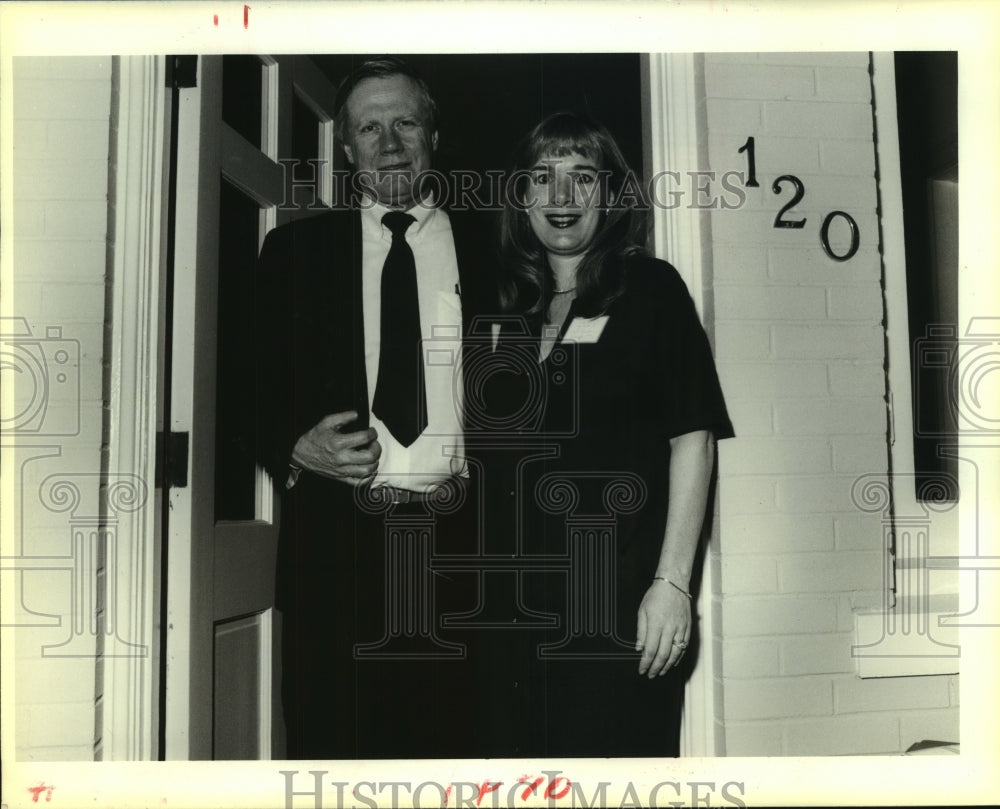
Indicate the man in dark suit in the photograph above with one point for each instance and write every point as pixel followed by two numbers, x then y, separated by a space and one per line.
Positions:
pixel 361 314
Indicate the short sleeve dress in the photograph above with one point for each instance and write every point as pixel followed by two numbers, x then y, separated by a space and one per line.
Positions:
pixel 590 450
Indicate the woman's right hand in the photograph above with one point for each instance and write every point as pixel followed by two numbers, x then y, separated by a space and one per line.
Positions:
pixel 664 628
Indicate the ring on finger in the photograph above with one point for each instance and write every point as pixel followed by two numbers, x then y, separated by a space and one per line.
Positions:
pixel 680 645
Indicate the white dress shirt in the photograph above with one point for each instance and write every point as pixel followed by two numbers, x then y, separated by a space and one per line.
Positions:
pixel 438 452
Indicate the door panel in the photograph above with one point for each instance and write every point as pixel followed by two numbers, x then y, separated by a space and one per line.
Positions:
pixel 235 469
pixel 240 714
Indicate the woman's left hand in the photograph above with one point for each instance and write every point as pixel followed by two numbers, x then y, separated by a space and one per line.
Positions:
pixel 664 628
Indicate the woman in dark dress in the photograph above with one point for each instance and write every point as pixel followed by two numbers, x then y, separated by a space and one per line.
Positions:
pixel 614 450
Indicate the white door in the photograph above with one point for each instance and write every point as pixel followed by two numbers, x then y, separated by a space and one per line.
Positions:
pixel 245 114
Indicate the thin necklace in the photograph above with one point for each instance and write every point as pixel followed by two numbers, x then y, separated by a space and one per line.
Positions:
pixel 563 291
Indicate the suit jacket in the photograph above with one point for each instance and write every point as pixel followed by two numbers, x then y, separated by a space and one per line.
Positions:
pixel 310 363
pixel 310 350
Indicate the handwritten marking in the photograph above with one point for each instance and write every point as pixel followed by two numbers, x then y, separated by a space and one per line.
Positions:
pixel 215 20
pixel 36 791
pixel 550 789
pixel 485 788
pixel 533 788
pixel 246 16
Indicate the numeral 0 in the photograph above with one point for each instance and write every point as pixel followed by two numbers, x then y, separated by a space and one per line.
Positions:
pixel 824 236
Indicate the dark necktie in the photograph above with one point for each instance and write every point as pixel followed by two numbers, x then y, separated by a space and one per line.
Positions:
pixel 400 398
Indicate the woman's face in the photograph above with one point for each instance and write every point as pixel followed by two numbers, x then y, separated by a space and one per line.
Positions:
pixel 563 202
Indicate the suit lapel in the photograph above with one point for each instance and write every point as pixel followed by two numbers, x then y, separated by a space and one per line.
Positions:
pixel 356 326
pixel 340 307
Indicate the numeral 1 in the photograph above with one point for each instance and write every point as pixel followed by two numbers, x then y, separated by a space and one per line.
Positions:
pixel 748 147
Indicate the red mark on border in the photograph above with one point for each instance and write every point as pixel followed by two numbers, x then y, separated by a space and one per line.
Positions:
pixel 533 788
pixel 36 791
pixel 215 20
pixel 246 16
pixel 550 790
pixel 485 788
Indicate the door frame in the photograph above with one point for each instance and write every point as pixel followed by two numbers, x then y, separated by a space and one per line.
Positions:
pixel 128 712
pixel 187 727
pixel 674 139
pixel 671 102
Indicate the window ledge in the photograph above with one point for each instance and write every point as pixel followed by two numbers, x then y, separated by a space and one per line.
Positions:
pixel 913 638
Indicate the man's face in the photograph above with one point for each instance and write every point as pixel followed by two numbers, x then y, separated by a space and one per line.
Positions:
pixel 387 133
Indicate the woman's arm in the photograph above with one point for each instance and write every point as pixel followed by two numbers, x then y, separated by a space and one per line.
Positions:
pixel 665 612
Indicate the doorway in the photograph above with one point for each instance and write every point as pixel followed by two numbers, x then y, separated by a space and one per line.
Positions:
pixel 220 660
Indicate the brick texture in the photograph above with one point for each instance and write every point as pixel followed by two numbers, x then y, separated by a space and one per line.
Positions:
pixel 778 533
pixel 772 616
pixel 800 346
pixel 843 735
pixel 60 184
pixel 819 654
pixel 775 697
pixel 749 575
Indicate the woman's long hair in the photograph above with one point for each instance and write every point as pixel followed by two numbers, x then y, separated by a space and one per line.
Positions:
pixel 527 282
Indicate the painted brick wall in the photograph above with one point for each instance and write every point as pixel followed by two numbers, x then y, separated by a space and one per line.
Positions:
pixel 800 348
pixel 60 186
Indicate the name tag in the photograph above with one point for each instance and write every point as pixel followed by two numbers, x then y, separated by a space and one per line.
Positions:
pixel 586 329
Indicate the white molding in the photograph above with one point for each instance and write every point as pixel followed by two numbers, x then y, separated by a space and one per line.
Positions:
pixel 943 532
pixel 670 110
pixel 129 729
pixel 890 188
pixel 908 633
pixel 189 574
pixel 269 115
pixel 265 678
pixel 671 104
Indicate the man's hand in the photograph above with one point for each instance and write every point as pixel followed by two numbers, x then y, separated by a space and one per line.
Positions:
pixel 348 457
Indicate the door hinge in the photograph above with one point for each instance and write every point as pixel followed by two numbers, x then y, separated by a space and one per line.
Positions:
pixel 172 461
pixel 182 71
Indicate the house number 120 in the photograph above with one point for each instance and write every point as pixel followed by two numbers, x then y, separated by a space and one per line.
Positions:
pixel 799 191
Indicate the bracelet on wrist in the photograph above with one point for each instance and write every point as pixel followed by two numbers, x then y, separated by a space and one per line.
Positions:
pixel 677 587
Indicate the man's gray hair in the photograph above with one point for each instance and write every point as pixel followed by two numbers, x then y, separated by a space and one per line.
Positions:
pixel 380 68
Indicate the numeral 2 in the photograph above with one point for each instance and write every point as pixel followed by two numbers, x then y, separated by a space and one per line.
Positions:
pixel 800 191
